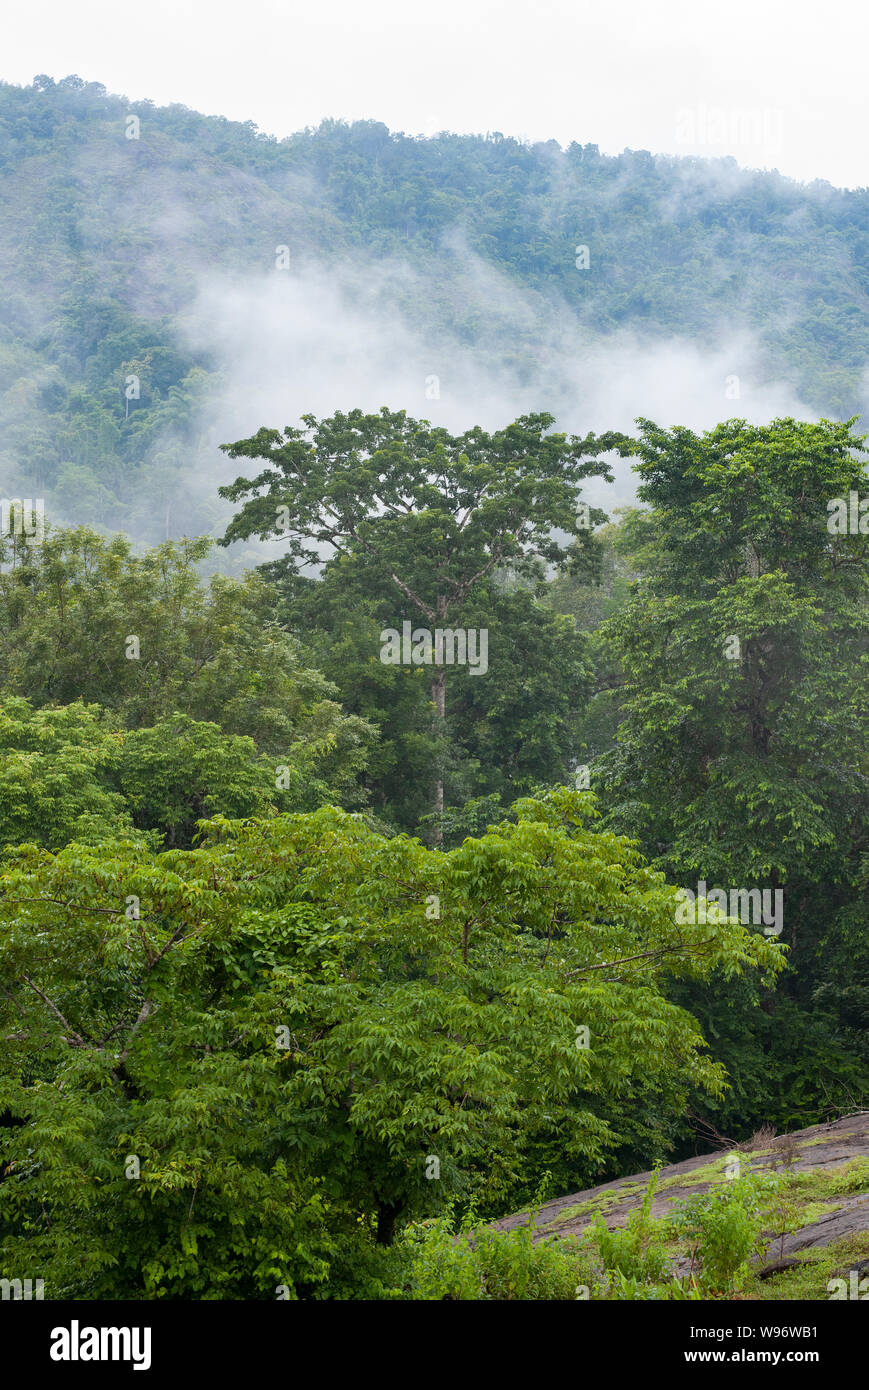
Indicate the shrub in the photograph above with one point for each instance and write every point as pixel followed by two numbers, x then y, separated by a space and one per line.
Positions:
pixel 622 1288
pixel 852 1177
pixel 723 1228
pixel 637 1250
pixel 492 1265
pixel 513 1266
pixel 443 1266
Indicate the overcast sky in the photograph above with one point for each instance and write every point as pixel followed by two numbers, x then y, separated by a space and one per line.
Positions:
pixel 776 83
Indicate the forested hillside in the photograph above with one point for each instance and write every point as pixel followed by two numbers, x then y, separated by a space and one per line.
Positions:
pixel 106 240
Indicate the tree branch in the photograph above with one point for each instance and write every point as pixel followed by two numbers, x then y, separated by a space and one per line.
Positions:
pixel 643 955
pixel 146 1009
pixel 55 1010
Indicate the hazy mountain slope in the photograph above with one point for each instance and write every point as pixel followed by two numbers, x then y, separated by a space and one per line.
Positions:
pixel 109 247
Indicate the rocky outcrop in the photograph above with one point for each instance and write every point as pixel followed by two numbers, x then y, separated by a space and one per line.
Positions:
pixel 807 1150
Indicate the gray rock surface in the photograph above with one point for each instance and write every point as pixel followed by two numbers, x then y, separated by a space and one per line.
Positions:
pixel 821 1146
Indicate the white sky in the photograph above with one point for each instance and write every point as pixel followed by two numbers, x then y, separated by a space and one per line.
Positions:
pixel 776 83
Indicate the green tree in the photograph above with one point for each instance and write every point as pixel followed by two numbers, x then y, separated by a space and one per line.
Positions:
pixel 84 617
pixel 57 774
pixel 742 690
pixel 74 773
pixel 239 1068
pixel 431 514
pixel 502 736
pixel 182 770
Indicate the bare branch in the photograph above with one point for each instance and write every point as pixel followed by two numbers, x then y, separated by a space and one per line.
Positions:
pixel 429 612
pixel 55 1010
pixel 643 955
pixel 146 1009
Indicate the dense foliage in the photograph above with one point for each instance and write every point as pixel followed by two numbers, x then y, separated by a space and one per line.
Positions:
pixel 224 1066
pixel 312 959
pixel 250 1044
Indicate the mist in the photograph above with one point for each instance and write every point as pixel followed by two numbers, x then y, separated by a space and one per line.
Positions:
pixel 336 337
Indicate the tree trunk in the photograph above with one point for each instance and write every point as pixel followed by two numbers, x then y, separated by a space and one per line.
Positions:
pixel 387 1214
pixel 439 697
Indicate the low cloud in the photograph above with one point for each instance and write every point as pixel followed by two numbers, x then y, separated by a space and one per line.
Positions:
pixel 320 338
